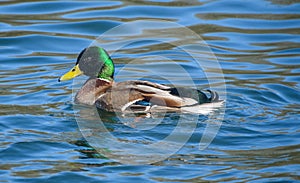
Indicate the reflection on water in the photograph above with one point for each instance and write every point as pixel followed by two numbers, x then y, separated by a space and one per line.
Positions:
pixel 257 44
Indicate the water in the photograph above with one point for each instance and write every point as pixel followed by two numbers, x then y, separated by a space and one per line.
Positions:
pixel 256 42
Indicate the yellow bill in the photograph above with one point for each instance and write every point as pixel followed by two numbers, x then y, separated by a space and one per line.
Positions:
pixel 74 72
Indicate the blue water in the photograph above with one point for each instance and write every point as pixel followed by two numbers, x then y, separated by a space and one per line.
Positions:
pixel 257 44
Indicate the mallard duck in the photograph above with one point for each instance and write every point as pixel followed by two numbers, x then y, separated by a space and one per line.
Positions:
pixel 132 96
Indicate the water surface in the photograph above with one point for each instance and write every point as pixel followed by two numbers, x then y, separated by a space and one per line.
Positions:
pixel 257 44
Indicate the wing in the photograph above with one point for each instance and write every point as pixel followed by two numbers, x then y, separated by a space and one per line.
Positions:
pixel 139 96
pixel 162 95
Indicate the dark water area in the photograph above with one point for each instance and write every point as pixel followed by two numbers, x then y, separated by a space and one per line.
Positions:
pixel 256 43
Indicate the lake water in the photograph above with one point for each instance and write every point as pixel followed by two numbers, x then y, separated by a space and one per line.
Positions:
pixel 256 43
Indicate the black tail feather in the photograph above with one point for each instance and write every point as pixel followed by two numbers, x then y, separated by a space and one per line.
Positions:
pixel 204 96
pixel 214 96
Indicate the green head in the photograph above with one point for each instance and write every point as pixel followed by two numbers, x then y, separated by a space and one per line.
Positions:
pixel 94 62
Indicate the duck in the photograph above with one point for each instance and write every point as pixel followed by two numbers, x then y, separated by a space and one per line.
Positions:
pixel 133 96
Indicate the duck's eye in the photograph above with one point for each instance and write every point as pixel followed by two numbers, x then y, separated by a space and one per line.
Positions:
pixel 73 70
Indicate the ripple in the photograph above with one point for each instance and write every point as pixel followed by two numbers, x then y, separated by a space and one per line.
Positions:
pixel 256 44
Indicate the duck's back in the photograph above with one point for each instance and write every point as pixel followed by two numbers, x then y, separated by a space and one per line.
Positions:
pixel 143 95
